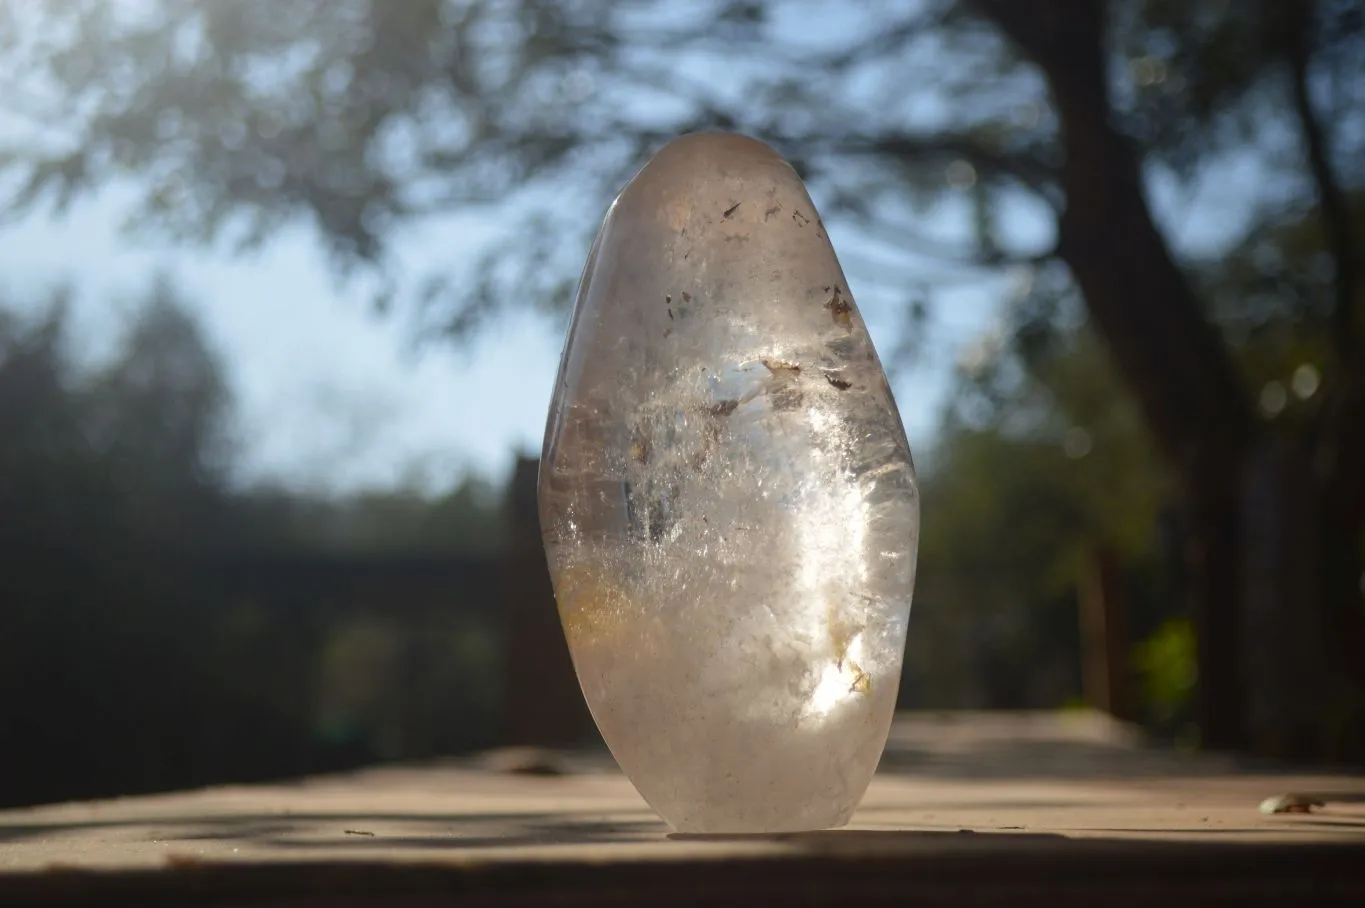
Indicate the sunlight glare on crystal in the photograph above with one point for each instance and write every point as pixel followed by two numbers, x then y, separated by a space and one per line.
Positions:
pixel 839 681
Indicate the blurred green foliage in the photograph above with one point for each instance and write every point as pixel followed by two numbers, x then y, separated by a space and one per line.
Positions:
pixel 1165 661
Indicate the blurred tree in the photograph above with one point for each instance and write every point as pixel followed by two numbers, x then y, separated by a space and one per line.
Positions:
pixel 1042 460
pixel 134 449
pixel 466 520
pixel 101 655
pixel 41 449
pixel 158 416
pixel 139 651
pixel 364 116
pixel 1043 456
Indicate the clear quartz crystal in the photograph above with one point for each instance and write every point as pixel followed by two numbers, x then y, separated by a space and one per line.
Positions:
pixel 728 501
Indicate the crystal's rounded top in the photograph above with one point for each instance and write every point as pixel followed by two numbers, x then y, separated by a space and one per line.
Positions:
pixel 714 222
pixel 712 152
pixel 703 170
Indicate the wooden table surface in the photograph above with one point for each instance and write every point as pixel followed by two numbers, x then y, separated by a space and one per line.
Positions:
pixel 968 808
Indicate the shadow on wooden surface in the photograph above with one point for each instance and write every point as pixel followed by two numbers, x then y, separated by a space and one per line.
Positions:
pixel 1083 874
pixel 873 842
pixel 1076 746
pixel 344 831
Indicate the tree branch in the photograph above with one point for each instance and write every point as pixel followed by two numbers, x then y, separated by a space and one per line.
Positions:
pixel 905 238
pixel 1055 35
pixel 1028 171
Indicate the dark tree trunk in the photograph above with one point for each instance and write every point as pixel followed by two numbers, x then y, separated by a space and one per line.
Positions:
pixel 1344 618
pixel 1336 443
pixel 1214 574
pixel 1341 456
pixel 1169 355
pixel 1286 674
pixel 1105 671
pixel 1274 554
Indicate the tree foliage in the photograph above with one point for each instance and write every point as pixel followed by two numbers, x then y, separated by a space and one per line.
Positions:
pixel 944 141
pixel 1043 463
pixel 365 116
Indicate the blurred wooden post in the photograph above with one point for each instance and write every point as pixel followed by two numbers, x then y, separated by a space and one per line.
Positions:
pixel 1104 638
pixel 542 702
